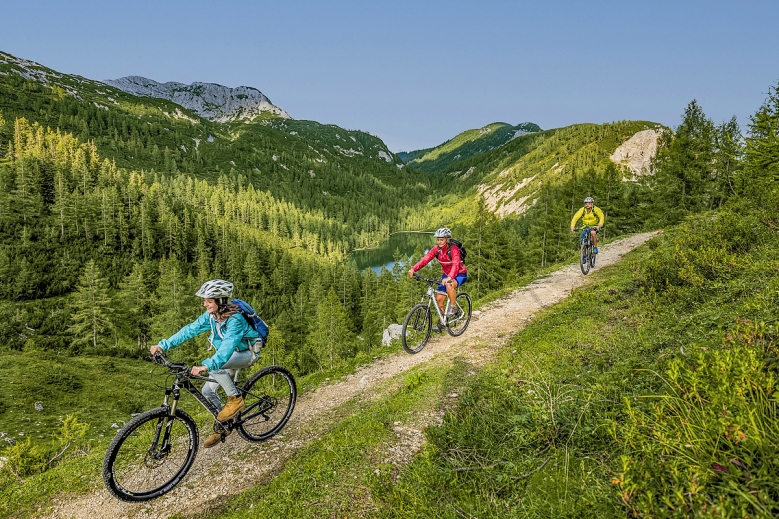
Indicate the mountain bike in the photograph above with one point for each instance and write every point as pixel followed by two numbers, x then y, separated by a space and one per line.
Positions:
pixel 153 452
pixel 418 323
pixel 586 254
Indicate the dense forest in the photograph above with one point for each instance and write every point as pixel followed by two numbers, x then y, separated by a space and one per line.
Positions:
pixel 78 227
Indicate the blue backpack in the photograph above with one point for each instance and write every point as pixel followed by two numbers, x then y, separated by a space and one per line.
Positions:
pixel 252 318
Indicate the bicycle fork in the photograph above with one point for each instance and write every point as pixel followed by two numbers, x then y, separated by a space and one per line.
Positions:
pixel 168 420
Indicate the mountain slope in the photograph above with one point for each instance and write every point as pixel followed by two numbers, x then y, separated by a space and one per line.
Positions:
pixel 466 145
pixel 209 100
pixel 508 178
pixel 312 165
pixel 326 411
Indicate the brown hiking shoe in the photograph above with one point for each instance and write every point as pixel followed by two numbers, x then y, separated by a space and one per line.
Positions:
pixel 235 404
pixel 215 438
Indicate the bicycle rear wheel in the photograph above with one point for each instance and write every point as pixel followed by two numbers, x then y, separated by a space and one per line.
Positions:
pixel 416 329
pixel 270 396
pixel 457 325
pixel 144 460
pixel 584 256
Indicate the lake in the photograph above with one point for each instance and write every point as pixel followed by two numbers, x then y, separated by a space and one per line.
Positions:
pixel 384 254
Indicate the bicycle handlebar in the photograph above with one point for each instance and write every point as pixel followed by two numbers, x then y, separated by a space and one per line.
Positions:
pixel 431 281
pixel 592 227
pixel 175 367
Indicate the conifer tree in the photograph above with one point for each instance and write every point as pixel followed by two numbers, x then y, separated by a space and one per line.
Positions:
pixel 371 312
pixel 28 200
pixel 761 175
pixel 92 313
pixel 275 350
pixel 169 305
pixel 331 338
pixel 728 157
pixel 137 306
pixel 683 165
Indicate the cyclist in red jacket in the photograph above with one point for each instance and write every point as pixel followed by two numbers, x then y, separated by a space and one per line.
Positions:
pixel 454 271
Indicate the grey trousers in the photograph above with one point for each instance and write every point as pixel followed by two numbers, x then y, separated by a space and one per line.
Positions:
pixel 224 377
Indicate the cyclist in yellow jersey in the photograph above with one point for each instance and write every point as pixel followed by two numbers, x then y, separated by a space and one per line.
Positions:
pixel 591 216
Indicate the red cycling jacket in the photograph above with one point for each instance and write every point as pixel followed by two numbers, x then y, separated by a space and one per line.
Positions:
pixel 450 267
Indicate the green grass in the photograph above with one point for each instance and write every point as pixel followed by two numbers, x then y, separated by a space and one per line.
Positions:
pixel 611 403
pixel 337 474
pixel 102 393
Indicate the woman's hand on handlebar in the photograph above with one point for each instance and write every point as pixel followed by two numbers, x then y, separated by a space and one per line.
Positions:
pixel 197 370
pixel 154 350
pixel 411 273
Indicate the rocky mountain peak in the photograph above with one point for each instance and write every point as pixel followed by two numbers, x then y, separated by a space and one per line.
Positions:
pixel 208 100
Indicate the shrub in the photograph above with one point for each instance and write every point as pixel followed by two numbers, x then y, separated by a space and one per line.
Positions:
pixel 703 252
pixel 28 458
pixel 710 445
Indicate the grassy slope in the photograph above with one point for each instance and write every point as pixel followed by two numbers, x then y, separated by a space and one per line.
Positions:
pixel 516 170
pixel 565 425
pixel 545 431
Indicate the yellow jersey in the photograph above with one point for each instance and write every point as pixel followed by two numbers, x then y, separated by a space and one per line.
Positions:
pixel 589 218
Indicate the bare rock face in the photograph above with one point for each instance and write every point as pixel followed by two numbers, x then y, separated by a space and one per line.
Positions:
pixel 637 152
pixel 208 100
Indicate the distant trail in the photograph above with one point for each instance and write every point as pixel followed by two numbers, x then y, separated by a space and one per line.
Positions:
pixel 236 465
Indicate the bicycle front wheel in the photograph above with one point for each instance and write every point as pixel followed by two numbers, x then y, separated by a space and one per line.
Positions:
pixel 456 325
pixel 150 455
pixel 584 257
pixel 270 396
pixel 416 329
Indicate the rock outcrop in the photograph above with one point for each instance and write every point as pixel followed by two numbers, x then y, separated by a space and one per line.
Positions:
pixel 637 152
pixel 208 100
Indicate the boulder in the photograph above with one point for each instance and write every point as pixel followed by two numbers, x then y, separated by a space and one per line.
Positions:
pixel 392 332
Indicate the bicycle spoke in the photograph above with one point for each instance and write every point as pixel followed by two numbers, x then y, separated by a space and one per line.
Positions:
pixel 270 398
pixel 416 329
pixel 150 455
pixel 457 326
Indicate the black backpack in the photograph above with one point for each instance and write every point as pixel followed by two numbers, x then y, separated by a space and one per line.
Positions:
pixel 460 246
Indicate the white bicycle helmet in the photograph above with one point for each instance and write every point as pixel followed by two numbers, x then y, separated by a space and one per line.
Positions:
pixel 215 289
pixel 443 232
pixel 589 199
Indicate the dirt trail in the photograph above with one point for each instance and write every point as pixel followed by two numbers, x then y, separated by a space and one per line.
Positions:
pixel 212 480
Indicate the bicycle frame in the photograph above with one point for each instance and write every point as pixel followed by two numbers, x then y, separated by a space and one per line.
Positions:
pixel 585 234
pixel 430 294
pixel 183 380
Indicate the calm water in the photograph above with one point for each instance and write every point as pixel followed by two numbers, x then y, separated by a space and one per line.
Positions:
pixel 383 256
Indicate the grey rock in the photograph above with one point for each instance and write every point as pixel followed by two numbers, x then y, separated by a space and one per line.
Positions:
pixel 208 100
pixel 392 332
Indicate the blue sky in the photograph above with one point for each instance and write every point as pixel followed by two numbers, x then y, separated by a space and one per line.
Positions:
pixel 416 73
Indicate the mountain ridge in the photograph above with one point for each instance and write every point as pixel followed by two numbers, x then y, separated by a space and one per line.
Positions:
pixel 467 144
pixel 210 101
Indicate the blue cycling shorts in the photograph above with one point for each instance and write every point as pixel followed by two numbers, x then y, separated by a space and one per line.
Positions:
pixel 459 277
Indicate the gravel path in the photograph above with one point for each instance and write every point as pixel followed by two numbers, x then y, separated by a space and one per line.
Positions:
pixel 212 480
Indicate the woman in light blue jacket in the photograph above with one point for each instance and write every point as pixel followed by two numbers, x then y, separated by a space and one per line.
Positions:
pixel 231 337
